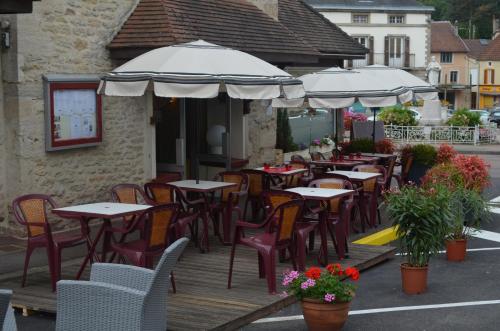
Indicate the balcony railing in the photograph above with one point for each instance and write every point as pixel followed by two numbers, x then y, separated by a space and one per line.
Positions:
pixel 379 58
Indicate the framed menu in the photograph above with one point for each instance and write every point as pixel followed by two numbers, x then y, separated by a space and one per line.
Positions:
pixel 73 111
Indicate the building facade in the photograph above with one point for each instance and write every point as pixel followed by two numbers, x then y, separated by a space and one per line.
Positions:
pixel 458 70
pixel 397 33
pixel 489 75
pixel 94 37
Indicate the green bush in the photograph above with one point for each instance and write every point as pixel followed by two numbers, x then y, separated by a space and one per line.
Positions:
pixel 397 115
pixel 424 154
pixel 363 145
pixel 464 117
pixel 284 139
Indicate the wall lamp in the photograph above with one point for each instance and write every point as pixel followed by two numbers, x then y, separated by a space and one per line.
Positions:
pixel 5 34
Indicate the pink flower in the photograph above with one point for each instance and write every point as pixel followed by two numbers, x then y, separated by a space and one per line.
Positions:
pixel 308 283
pixel 290 277
pixel 329 297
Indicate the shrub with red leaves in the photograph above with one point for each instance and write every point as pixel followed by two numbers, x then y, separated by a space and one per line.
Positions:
pixel 385 146
pixel 445 153
pixel 474 170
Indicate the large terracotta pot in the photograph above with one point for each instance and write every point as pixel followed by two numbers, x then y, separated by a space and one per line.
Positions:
pixel 456 250
pixel 322 316
pixel 414 279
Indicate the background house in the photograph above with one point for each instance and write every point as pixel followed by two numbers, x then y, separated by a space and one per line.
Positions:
pixel 458 70
pixel 397 33
pixel 93 37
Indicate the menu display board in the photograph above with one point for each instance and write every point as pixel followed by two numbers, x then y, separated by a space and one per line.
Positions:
pixel 73 114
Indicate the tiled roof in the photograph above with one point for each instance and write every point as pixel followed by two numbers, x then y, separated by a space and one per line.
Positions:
pixel 319 32
pixel 445 39
pixel 492 51
pixel 232 23
pixel 373 5
pixel 476 46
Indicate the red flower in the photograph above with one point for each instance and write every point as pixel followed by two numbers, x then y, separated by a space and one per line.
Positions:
pixel 352 272
pixel 334 269
pixel 313 273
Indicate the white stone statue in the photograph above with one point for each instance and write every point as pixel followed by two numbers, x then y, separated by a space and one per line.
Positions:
pixel 433 70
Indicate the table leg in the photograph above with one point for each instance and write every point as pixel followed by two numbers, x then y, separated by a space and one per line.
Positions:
pixel 91 251
pixel 340 236
pixel 323 250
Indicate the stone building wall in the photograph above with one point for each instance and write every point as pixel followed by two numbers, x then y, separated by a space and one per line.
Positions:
pixel 66 36
pixel 261 134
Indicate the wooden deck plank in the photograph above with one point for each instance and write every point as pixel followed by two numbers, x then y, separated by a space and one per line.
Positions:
pixel 202 301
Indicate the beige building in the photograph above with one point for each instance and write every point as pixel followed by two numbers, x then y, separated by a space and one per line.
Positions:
pixel 458 69
pixel 84 38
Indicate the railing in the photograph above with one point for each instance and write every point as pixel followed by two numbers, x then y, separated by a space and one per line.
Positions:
pixel 379 58
pixel 442 134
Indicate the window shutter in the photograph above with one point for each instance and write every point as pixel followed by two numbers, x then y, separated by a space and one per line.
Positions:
pixel 492 76
pixel 486 76
pixel 386 51
pixel 371 46
pixel 407 52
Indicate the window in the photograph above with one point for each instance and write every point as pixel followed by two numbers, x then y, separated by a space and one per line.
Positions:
pixel 446 57
pixel 360 18
pixel 396 19
pixel 489 76
pixel 453 76
pixel 362 40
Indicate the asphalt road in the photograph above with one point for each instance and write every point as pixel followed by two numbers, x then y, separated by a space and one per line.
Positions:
pixel 476 279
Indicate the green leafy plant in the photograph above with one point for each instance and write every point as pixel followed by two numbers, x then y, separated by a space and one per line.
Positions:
pixel 397 115
pixel 464 117
pixel 422 218
pixel 469 210
pixel 424 154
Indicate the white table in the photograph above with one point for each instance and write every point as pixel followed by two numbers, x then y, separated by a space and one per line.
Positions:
pixel 325 194
pixel 282 173
pixel 103 210
pixel 356 175
pixel 202 185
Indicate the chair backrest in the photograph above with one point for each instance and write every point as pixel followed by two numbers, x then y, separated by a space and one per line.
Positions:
pixel 161 193
pixel 258 181
pixel 317 156
pixel 158 221
pixel 236 177
pixel 339 182
pixel 274 198
pixel 293 181
pixel 287 214
pixel 127 193
pixel 371 184
pixel 406 164
pixel 389 168
pixel 155 307
pixel 31 210
pixel 298 158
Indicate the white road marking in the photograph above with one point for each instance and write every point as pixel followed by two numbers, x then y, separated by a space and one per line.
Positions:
pixel 388 310
pixel 487 235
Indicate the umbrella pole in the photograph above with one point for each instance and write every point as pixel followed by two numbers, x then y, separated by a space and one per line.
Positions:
pixel 228 134
pixel 196 144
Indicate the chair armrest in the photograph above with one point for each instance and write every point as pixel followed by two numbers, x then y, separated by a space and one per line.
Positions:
pixel 122 275
pixel 83 305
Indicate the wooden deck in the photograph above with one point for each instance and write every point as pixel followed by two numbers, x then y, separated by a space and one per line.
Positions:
pixel 202 301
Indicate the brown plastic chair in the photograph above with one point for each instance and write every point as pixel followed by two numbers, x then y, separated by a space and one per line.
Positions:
pixel 258 181
pixel 298 158
pixel 301 179
pixel 157 223
pixel 31 211
pixel 338 212
pixel 402 178
pixel 304 228
pixel 190 210
pixel 389 170
pixel 372 190
pixel 228 203
pixel 278 237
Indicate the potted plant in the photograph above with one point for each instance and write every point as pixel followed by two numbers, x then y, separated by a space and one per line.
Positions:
pixel 468 209
pixel 422 219
pixel 325 297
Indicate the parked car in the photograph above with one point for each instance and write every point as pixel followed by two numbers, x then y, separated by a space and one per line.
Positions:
pixel 495 116
pixel 484 115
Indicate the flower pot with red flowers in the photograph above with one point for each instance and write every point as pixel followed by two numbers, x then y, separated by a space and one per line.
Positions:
pixel 422 218
pixel 325 295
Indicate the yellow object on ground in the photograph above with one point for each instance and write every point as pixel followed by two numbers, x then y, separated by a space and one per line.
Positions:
pixel 379 238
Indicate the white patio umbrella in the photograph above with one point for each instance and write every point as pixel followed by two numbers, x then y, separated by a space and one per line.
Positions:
pixel 340 88
pixel 200 70
pixel 422 90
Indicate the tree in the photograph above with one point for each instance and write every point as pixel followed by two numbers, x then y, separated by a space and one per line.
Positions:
pixel 284 139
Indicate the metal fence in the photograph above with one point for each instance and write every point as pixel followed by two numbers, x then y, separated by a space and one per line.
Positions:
pixel 442 134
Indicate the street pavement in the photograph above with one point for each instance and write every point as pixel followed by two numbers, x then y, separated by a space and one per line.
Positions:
pixel 464 285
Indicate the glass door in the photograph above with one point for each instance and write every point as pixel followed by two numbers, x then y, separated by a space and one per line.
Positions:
pixel 396 52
